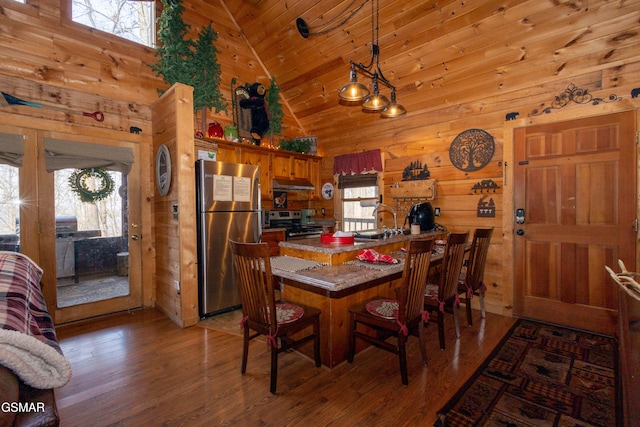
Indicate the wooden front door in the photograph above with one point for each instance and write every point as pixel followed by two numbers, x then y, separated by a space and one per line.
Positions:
pixel 575 202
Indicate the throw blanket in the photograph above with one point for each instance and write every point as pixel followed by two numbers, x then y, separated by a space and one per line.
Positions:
pixel 28 342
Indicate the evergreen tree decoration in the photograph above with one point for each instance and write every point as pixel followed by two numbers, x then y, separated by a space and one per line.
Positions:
pixel 276 115
pixel 206 79
pixel 174 51
pixel 186 61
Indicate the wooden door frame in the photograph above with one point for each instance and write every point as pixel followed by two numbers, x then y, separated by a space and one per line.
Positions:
pixel 508 220
pixel 33 178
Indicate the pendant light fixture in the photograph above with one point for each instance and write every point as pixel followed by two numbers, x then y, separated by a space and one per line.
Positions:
pixel 357 93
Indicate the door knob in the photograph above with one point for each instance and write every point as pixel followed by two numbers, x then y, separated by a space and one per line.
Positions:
pixel 520 232
pixel 134 237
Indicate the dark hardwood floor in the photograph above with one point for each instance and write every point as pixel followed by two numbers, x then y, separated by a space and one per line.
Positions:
pixel 139 368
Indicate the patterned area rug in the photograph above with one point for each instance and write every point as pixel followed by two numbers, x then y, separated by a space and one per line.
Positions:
pixel 540 375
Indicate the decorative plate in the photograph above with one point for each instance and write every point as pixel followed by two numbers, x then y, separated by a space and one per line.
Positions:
pixel 386 308
pixel 327 191
pixel 287 313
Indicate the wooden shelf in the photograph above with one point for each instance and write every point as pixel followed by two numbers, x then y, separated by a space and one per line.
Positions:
pixel 420 189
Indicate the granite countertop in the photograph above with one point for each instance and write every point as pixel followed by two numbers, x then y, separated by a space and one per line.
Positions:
pixel 336 280
pixel 314 244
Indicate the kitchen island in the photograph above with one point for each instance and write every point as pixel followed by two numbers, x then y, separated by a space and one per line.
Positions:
pixel 330 277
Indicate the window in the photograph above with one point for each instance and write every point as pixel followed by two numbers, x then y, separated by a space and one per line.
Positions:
pixel 129 19
pixel 353 190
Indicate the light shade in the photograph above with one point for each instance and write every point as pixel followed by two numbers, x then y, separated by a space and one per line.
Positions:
pixel 353 91
pixel 375 102
pixel 394 109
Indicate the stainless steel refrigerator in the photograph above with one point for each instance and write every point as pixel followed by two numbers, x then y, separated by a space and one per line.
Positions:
pixel 228 202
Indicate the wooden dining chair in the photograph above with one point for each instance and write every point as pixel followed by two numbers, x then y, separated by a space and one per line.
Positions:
pixel 441 295
pixel 396 317
pixel 276 320
pixel 471 282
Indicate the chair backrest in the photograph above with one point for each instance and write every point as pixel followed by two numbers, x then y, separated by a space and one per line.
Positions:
pixel 414 278
pixel 452 261
pixel 252 269
pixel 478 257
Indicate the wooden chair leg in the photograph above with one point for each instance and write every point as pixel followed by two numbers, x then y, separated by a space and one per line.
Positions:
pixel 422 336
pixel 352 338
pixel 482 304
pixel 469 314
pixel 316 343
pixel 245 349
pixel 274 368
pixel 402 354
pixel 456 322
pixel 441 329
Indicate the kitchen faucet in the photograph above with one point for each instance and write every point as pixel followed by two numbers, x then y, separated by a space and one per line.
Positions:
pixel 380 207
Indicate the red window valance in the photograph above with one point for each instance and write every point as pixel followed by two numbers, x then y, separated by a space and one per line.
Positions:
pixel 365 162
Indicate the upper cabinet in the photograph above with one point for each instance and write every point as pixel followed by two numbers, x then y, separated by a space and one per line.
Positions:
pixel 273 165
pixel 259 158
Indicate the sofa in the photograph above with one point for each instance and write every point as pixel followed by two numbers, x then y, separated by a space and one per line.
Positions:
pixel 38 406
pixel 32 364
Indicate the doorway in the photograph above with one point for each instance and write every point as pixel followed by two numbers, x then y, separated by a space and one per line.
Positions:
pixel 92 219
pixel 34 219
pixel 575 212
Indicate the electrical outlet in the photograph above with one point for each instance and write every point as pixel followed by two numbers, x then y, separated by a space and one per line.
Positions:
pixel 436 211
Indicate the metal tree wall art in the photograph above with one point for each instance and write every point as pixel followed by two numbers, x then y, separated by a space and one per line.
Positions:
pixel 471 150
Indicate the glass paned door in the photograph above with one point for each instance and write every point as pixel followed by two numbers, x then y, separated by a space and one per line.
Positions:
pixel 92 253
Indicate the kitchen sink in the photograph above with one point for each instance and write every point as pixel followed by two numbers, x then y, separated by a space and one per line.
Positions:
pixel 369 234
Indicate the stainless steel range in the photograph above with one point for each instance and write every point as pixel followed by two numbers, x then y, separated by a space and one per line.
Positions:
pixel 292 222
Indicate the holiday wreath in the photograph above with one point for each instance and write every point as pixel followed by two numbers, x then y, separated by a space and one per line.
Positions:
pixel 104 185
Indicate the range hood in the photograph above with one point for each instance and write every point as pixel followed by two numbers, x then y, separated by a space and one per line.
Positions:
pixel 292 184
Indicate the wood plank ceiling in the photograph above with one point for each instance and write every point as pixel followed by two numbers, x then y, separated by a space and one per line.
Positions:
pixel 438 53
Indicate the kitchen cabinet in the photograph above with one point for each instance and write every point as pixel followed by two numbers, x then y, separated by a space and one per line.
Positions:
pixel 273 164
pixel 281 165
pixel 262 159
pixel 273 239
pixel 290 166
pixel 314 177
pixel 229 154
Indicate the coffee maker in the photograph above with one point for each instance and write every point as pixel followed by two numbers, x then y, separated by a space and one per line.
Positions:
pixel 307 216
pixel 421 213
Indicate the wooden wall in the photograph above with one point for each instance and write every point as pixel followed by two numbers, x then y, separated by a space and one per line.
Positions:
pixel 457 65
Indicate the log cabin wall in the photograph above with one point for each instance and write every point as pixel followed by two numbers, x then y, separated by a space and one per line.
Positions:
pixel 457 66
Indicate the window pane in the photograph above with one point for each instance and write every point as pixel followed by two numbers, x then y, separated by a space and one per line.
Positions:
pixel 354 216
pixel 9 208
pixel 103 218
pixel 131 20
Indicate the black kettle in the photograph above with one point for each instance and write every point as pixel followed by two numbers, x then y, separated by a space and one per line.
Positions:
pixel 421 213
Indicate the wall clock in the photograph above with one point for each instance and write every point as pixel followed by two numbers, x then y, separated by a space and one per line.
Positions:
pixel 327 190
pixel 163 170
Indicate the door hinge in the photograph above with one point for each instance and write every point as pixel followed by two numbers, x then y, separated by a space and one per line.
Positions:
pixel 635 225
pixel 637 137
